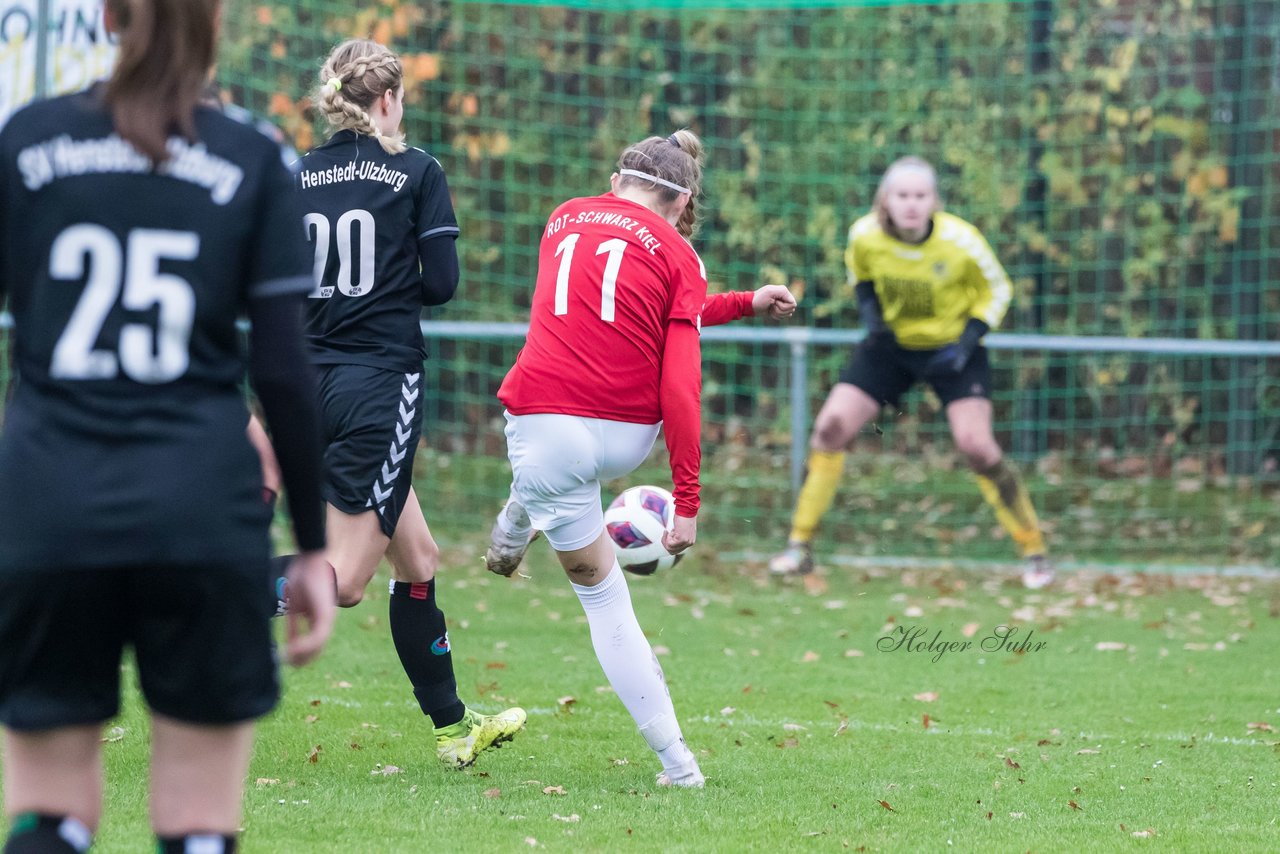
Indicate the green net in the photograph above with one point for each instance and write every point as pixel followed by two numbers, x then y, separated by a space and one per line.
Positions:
pixel 1119 155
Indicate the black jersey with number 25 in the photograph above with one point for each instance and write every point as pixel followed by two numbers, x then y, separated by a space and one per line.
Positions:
pixel 124 441
pixel 365 211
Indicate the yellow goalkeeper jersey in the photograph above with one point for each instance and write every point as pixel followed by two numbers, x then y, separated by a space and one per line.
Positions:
pixel 929 290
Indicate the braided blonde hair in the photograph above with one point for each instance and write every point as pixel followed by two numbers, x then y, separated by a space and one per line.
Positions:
pixel 364 71
pixel 676 158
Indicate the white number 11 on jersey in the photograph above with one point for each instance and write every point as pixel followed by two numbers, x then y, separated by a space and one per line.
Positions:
pixel 608 284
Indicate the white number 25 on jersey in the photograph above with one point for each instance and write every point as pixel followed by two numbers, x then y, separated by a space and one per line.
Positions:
pixel 131 274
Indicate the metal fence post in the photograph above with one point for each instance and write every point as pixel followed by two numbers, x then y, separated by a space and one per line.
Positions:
pixel 799 393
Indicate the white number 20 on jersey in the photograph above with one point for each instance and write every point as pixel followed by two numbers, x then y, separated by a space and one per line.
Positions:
pixel 131 274
pixel 355 259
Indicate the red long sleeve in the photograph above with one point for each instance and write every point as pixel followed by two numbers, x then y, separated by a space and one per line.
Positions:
pixel 723 308
pixel 680 398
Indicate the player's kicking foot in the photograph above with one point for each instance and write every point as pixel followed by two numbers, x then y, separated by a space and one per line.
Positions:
pixel 1038 574
pixel 506 550
pixel 459 744
pixel 795 559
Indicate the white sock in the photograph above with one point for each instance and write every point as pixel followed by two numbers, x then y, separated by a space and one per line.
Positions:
pixel 632 669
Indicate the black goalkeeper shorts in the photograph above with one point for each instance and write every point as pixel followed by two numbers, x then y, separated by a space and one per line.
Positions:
pixel 886 370
pixel 372 419
pixel 200 636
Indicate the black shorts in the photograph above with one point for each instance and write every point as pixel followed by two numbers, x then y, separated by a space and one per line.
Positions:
pixel 201 638
pixel 372 420
pixel 885 370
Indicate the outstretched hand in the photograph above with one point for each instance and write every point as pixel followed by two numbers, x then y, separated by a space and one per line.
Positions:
pixel 775 300
pixel 312 607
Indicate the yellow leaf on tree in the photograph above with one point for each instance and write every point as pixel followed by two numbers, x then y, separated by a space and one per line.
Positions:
pixel 1229 227
pixel 280 105
pixel 426 66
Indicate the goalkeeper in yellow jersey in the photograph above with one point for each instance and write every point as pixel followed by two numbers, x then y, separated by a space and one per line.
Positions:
pixel 928 288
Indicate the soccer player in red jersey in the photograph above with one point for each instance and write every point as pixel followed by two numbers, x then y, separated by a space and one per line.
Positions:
pixel 612 354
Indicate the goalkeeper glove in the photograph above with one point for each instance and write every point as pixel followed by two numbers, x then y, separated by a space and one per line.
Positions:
pixel 951 359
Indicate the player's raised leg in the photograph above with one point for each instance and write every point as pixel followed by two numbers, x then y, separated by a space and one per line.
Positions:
pixel 998 479
pixel 846 411
pixel 509 538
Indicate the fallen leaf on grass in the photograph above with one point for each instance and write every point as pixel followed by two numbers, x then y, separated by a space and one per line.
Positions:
pixel 794 727
pixel 925 720
pixel 570 818
pixel 116 733
pixel 1260 726
pixel 970 629
pixel 1145 834
pixel 385 771
pixel 1110 646
pixel 531 842
pixel 789 742
pixel 493 793
pixel 728 710
pixel 554 790
pixel 1011 763
pixel 1074 805
pixel 311 718
pixel 810 657
pixel 1017 815
pixel 926 696
pixel 565 702
pixel 885 804
pixel 1087 751
pixel 495 665
pixel 844 726
pixel 266 781
pixel 314 756
pixel 661 650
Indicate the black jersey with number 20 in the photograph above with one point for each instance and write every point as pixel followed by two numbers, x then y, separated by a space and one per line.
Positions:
pixel 366 211
pixel 124 442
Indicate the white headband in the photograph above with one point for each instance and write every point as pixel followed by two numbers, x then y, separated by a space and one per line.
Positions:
pixel 635 173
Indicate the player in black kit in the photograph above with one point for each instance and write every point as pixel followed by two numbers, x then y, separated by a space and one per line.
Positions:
pixel 136 225
pixel 383 230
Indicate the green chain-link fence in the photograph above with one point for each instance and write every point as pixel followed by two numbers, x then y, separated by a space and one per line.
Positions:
pixel 1120 156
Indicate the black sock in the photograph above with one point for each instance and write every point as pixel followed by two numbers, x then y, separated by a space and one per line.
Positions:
pixel 205 843
pixel 422 641
pixel 37 833
pixel 277 599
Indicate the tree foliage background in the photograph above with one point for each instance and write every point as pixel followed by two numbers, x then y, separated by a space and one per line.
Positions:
pixel 1120 156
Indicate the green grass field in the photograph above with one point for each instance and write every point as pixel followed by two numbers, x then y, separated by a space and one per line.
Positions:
pixel 1144 722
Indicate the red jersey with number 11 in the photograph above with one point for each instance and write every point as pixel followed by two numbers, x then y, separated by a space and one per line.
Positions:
pixel 611 275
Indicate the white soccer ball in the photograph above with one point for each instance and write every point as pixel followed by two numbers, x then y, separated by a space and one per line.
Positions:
pixel 636 521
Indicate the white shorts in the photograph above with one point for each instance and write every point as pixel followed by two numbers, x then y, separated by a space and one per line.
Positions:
pixel 557 463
